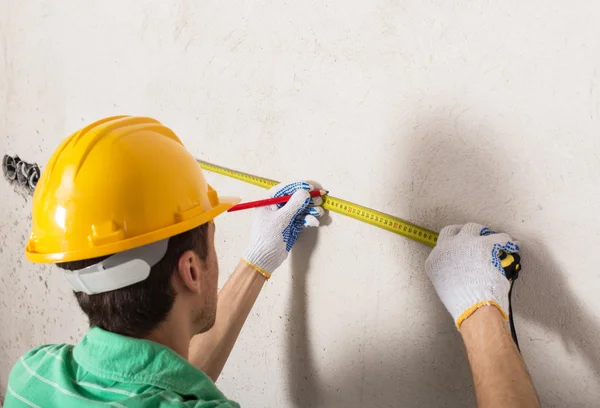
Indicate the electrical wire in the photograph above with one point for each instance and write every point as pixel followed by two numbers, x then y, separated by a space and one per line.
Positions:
pixel 513 331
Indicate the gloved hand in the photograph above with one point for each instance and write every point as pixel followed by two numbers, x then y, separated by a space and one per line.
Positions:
pixel 275 228
pixel 466 271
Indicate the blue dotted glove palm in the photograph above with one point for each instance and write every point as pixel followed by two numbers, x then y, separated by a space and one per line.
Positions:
pixel 275 228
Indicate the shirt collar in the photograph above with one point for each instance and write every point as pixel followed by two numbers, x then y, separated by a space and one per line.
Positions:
pixel 126 359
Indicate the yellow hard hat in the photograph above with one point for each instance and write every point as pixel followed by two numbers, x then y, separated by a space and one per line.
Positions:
pixel 118 184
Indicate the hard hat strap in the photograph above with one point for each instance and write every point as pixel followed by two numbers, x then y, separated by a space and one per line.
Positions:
pixel 119 270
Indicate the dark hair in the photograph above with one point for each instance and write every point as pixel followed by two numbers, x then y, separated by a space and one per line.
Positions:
pixel 137 309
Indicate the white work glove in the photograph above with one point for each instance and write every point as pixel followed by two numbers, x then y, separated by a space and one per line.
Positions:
pixel 275 228
pixel 466 270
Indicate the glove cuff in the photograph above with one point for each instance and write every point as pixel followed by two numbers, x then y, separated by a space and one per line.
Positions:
pixel 258 269
pixel 264 261
pixel 470 300
pixel 476 306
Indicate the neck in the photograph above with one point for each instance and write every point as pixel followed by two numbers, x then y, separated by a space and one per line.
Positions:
pixel 175 332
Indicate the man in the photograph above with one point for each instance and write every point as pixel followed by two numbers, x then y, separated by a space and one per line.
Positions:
pixel 125 211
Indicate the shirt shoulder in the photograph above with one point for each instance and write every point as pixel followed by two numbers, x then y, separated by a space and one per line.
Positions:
pixel 106 368
pixel 36 372
pixel 51 352
pixel 49 355
pixel 51 376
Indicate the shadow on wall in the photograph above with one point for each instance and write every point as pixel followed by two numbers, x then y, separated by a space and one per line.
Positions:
pixel 303 384
pixel 440 376
pixel 542 294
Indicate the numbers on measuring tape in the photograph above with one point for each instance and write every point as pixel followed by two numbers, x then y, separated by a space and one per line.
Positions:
pixel 367 215
pixel 381 220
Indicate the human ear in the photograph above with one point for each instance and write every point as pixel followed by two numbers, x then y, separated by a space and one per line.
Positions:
pixel 189 269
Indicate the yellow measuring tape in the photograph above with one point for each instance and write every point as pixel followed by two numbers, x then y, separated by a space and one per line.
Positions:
pixel 347 208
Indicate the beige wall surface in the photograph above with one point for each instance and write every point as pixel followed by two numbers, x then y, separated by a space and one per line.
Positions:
pixel 438 112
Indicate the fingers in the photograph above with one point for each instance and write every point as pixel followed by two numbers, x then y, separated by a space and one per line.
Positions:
pixel 316 201
pixel 283 189
pixel 511 247
pixel 500 240
pixel 450 231
pixel 309 216
pixel 479 230
pixel 485 232
pixel 310 221
pixel 474 229
pixel 306 221
pixel 504 242
pixel 316 211
pixel 298 203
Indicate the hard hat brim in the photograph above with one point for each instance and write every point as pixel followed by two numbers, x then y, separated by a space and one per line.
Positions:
pixel 225 203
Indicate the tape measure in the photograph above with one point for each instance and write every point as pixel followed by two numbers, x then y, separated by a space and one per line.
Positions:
pixel 511 263
pixel 337 205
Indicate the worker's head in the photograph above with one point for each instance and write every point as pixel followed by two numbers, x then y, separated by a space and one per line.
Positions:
pixel 187 272
pixel 126 212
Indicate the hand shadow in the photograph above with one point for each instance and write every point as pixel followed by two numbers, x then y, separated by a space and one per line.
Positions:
pixel 453 181
pixel 458 181
pixel 427 372
pixel 304 391
pixel 389 378
pixel 302 379
pixel 544 298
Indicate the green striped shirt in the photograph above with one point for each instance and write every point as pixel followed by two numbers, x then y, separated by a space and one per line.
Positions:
pixel 110 369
